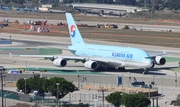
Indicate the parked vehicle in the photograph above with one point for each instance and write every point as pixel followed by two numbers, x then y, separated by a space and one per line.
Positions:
pixel 125 27
pixel 14 72
pixel 138 83
pixel 107 26
pixel 141 84
pixel 147 86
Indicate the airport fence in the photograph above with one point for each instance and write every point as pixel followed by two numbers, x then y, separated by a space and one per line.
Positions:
pixel 73 99
pixel 82 96
pixel 10 95
pixel 103 79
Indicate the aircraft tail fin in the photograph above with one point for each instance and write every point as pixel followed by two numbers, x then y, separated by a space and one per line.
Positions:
pixel 74 33
pixel 10 54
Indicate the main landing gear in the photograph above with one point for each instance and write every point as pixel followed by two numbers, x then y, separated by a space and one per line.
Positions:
pixel 145 71
pixel 110 69
pixel 115 69
pixel 121 69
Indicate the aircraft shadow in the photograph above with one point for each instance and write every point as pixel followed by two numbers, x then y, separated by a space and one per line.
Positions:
pixel 151 71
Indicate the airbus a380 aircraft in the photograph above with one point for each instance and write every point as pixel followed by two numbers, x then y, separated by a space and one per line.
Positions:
pixel 103 56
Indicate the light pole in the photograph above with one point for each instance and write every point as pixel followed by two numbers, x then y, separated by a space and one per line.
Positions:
pixel 1 68
pixel 89 95
pixel 153 80
pixel 102 90
pixel 95 102
pixel 149 88
pixel 5 99
pixel 162 84
pixel 25 85
pixel 165 103
pixel 129 79
pixel 121 97
pixel 28 66
pixel 78 82
pixel 122 83
pixel 175 79
pixel 57 94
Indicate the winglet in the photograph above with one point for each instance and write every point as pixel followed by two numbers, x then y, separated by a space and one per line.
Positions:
pixel 10 55
pixel 164 52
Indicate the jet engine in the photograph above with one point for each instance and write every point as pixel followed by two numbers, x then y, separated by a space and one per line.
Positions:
pixel 60 62
pixel 91 65
pixel 160 60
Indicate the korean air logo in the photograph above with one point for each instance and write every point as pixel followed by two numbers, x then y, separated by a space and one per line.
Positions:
pixel 73 30
pixel 114 54
pixel 122 55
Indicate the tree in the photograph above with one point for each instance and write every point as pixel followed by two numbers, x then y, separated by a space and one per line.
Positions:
pixel 20 1
pixel 37 83
pixel 46 85
pixel 135 10
pixel 135 100
pixel 68 1
pixel 64 87
pixel 7 1
pixel 21 85
pixel 82 105
pixel 115 98
pixel 178 99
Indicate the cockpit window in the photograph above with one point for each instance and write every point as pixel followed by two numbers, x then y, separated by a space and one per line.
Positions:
pixel 147 57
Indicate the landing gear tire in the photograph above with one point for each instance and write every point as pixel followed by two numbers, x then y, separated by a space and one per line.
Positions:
pixel 121 69
pixel 110 68
pixel 100 69
pixel 145 72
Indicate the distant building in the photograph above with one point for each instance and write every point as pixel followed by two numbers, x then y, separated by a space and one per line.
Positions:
pixel 47 6
pixel 43 9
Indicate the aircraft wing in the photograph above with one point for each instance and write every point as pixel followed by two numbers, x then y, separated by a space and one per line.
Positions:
pixel 107 61
pixel 54 57
pixel 78 58
pixel 157 54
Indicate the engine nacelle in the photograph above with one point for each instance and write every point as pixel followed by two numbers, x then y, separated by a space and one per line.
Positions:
pixel 60 62
pixel 91 65
pixel 153 64
pixel 160 60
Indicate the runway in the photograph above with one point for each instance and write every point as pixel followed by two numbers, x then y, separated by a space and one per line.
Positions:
pixel 61 42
